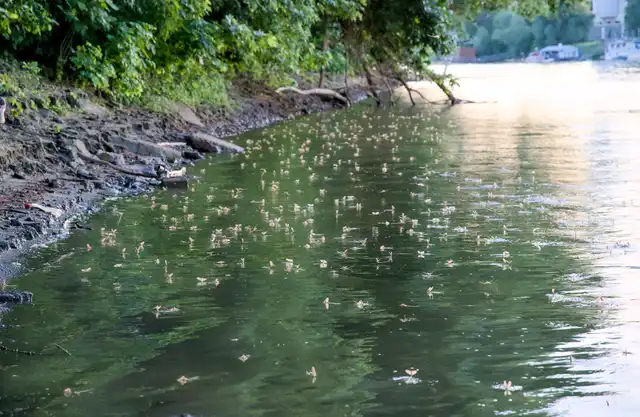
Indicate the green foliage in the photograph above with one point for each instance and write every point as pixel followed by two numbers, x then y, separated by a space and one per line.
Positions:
pixel 16 107
pixel 482 41
pixel 16 79
pixel 23 87
pixel 134 49
pixel 21 18
pixel 187 49
pixel 512 34
pixel 632 16
pixel 335 60
pixel 91 67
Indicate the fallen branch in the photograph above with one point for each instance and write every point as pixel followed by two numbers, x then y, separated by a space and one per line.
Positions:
pixel 323 92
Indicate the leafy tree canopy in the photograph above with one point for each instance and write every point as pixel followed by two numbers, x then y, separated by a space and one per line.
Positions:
pixel 117 46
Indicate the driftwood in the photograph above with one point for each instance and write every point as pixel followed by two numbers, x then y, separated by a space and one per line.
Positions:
pixel 87 156
pixel 322 92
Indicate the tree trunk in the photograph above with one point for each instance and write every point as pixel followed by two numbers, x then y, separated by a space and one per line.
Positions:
pixel 372 86
pixel 406 87
pixel 346 74
pixel 325 48
pixel 446 90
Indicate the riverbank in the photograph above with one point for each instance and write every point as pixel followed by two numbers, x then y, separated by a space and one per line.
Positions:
pixel 50 160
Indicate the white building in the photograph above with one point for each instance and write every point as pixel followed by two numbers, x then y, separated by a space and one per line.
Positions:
pixel 609 16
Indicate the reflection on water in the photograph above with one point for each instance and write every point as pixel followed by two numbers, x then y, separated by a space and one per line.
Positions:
pixel 366 262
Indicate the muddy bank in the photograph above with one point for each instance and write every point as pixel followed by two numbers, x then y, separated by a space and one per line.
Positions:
pixel 71 163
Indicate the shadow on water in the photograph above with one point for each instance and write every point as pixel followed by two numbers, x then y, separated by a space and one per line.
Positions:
pixel 479 244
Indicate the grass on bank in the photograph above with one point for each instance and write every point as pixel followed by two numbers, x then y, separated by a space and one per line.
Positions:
pixel 211 91
pixel 25 88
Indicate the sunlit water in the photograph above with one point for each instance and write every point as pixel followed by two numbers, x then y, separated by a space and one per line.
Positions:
pixel 485 243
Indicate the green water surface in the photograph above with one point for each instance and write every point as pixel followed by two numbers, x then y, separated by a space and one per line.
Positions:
pixel 437 236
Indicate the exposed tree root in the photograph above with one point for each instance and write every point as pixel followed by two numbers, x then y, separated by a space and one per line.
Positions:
pixel 322 92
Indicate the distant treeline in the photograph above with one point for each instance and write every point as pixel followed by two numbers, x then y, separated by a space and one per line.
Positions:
pixel 508 34
pixel 632 17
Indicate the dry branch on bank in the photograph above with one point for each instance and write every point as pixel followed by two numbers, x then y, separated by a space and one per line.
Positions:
pixel 322 92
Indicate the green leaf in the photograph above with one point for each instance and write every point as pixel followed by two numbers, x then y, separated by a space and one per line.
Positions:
pixel 272 41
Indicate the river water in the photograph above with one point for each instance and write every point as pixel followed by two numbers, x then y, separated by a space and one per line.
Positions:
pixel 472 245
